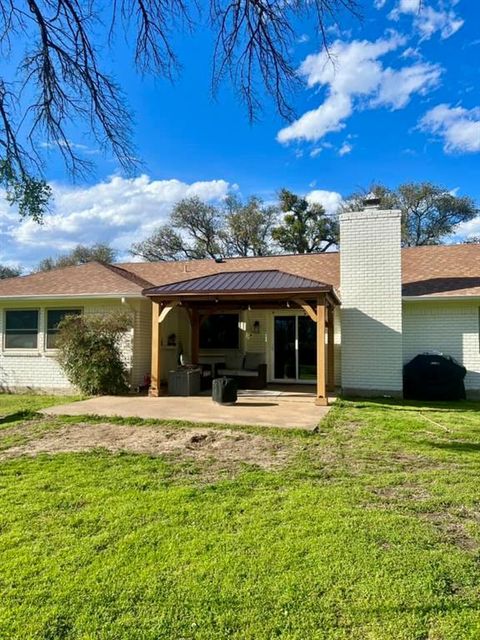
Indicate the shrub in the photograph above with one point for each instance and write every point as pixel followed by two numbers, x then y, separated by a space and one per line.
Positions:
pixel 89 352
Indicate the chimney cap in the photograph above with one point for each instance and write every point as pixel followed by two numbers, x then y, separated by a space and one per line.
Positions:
pixel 371 201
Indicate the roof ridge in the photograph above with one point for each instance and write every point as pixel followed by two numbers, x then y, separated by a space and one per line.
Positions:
pixel 128 275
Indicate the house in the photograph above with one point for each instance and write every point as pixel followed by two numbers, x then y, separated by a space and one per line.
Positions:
pixel 348 318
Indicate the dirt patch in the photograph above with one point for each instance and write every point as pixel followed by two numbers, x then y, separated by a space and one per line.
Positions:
pixel 224 446
pixel 402 492
pixel 452 530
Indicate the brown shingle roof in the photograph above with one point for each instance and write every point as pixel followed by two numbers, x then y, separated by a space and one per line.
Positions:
pixel 93 279
pixel 448 270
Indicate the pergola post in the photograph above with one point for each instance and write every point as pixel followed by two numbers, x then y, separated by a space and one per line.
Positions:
pixel 321 354
pixel 330 348
pixel 155 375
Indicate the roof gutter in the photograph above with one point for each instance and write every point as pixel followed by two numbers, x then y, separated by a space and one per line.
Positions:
pixel 440 298
pixel 69 296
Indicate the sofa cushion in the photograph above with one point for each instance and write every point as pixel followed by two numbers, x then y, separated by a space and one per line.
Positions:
pixel 239 373
pixel 253 360
pixel 234 361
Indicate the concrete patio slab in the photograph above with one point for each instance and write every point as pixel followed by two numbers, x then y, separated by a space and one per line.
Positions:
pixel 268 408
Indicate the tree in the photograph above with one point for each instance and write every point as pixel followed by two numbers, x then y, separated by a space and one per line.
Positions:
pixel 60 83
pixel 248 227
pixel 197 230
pixel 429 212
pixel 9 272
pixel 472 240
pixel 81 254
pixel 192 232
pixel 306 228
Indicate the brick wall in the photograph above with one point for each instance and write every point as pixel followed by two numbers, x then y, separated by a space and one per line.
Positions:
pixel 38 369
pixel 371 315
pixel 450 327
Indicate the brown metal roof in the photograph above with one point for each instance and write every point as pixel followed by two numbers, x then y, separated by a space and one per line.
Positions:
pixel 232 282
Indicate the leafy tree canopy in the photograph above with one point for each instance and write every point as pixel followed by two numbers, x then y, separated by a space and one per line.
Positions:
pixel 9 272
pixel 429 212
pixel 305 228
pixel 198 230
pixel 81 254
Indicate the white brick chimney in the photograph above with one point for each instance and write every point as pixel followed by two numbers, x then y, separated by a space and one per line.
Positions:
pixel 371 293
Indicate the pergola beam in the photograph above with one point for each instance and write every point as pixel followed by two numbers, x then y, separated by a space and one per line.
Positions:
pixel 166 310
pixel 307 308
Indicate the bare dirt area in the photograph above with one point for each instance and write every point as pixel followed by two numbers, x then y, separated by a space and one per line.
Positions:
pixel 225 447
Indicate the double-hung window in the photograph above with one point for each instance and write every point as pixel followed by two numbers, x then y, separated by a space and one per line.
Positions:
pixel 21 329
pixel 54 317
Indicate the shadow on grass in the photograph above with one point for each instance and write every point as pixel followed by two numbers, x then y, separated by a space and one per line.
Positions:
pixel 391 404
pixel 18 415
pixel 455 446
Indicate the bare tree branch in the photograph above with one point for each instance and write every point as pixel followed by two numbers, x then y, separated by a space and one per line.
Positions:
pixel 61 84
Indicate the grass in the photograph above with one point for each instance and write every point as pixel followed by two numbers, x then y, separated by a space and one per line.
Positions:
pixel 371 533
pixel 17 406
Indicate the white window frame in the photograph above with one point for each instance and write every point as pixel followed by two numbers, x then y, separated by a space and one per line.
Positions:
pixel 45 332
pixel 20 350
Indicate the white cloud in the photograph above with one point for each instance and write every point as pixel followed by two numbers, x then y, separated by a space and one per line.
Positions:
pixel 397 87
pixel 345 149
pixel 119 211
pixel 459 128
pixel 330 200
pixel 74 146
pixel 354 77
pixel 428 20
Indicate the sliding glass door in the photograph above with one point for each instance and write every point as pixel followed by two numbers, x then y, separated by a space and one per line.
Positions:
pixel 295 348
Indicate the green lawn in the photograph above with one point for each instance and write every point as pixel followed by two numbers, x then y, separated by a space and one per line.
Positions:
pixel 372 531
pixel 12 405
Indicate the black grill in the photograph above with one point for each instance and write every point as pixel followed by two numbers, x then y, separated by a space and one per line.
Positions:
pixel 431 376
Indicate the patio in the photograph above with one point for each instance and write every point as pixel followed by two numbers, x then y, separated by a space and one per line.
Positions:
pixel 289 408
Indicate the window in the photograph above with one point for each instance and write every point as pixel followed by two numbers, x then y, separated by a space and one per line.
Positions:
pixel 219 331
pixel 54 317
pixel 21 329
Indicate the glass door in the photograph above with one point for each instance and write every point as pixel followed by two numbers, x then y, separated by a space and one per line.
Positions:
pixel 285 358
pixel 295 349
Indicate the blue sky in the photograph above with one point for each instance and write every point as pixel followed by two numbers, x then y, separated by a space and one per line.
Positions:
pixel 401 103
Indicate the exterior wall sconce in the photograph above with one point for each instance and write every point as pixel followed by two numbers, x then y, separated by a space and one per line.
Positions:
pixel 256 327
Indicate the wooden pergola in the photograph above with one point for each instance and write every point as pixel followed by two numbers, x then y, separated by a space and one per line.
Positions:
pixel 237 291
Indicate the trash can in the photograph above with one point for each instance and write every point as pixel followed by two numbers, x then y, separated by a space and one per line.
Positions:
pixel 224 391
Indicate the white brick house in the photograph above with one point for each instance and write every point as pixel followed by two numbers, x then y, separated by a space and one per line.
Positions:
pixel 394 304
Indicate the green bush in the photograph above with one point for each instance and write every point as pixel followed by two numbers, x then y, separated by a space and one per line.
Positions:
pixel 89 352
